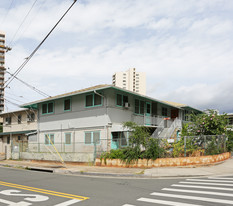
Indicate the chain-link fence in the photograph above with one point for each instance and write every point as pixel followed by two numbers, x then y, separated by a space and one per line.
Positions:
pixel 82 152
pixel 204 145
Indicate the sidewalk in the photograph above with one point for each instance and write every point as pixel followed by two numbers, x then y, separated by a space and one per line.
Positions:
pixel 223 168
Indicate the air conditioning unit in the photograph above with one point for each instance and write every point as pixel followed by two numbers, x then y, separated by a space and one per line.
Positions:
pixel 126 105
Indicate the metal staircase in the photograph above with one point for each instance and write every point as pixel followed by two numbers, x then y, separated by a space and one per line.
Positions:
pixel 162 132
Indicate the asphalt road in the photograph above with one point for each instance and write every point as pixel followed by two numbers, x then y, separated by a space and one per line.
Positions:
pixel 23 187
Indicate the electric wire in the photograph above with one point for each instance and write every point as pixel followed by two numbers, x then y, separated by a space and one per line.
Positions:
pixel 14 99
pixel 24 19
pixel 30 86
pixel 35 50
pixel 15 104
pixel 32 19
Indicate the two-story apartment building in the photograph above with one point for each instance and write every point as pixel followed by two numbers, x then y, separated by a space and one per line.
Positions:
pixel 79 123
pixel 18 126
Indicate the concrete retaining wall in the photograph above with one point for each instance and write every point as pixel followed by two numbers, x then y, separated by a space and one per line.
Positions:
pixel 67 157
pixel 166 162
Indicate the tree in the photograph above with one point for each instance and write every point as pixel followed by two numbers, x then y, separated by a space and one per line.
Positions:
pixel 138 134
pixel 207 124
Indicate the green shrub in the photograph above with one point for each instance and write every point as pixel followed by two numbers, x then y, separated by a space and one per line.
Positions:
pixel 153 149
pixel 229 143
pixel 212 148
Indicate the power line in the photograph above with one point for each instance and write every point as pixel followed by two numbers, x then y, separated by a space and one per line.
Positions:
pixel 31 55
pixel 30 86
pixel 32 19
pixel 11 102
pixel 23 21
pixel 14 99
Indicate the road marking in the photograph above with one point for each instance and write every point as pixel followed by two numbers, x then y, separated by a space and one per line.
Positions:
pixel 203 187
pixel 69 202
pixel 48 192
pixel 206 183
pixel 128 205
pixel 199 192
pixel 203 180
pixel 29 197
pixel 165 202
pixel 194 198
pixel 221 178
pixel 10 203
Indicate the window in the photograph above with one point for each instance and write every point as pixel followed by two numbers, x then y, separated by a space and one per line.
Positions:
pixel 121 100
pixel 19 138
pixel 93 100
pixel 137 103
pixel 92 137
pixel 49 139
pixel 164 111
pixel 139 106
pixel 120 138
pixel 19 119
pixel 8 120
pixel 148 108
pixel 231 121
pixel 67 104
pixel 67 138
pixel 8 140
pixel 31 117
pixel 47 108
pixel 186 115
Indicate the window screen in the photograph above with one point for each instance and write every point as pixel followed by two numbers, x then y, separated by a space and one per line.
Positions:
pixel 67 105
pixel 97 99
pixel 119 99
pixel 89 100
pixel 88 138
pixel 136 106
pixel 96 137
pixel 125 99
pixel 141 107
pixel 50 107
pixel 68 138
pixel 44 108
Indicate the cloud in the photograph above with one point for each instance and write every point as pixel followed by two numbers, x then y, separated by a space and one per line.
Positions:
pixel 185 47
pixel 204 96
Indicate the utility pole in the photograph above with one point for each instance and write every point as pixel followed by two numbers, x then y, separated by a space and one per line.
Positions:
pixel 3 50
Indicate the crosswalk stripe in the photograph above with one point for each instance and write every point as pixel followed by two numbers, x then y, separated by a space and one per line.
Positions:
pixel 69 202
pixel 207 183
pixel 128 205
pixel 221 178
pixel 204 180
pixel 165 202
pixel 199 192
pixel 203 187
pixel 193 198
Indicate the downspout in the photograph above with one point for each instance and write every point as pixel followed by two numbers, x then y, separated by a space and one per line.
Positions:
pixel 106 112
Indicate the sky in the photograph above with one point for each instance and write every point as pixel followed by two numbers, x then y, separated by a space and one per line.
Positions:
pixel 184 46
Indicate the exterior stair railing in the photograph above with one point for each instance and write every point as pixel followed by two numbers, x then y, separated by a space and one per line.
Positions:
pixel 176 124
pixel 159 129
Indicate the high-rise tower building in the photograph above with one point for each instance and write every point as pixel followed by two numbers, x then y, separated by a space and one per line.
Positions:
pixel 2 69
pixel 131 80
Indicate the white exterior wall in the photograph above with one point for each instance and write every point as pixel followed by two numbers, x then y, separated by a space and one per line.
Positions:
pixel 15 126
pixel 134 81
